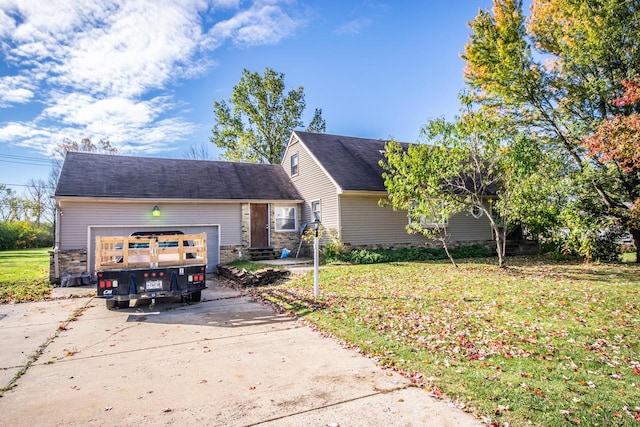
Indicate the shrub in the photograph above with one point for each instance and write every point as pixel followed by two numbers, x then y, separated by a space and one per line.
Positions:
pixel 24 235
pixel 586 244
pixel 334 246
pixel 373 256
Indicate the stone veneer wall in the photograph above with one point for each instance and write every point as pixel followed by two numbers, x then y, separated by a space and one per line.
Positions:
pixel 246 225
pixel 231 253
pixel 283 239
pixel 279 240
pixel 71 261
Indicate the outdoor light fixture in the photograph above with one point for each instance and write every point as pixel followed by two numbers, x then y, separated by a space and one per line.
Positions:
pixel 316 225
pixel 155 211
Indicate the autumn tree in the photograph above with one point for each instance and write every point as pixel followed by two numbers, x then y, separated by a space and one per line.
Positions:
pixel 615 145
pixel 554 76
pixel 256 123
pixel 472 165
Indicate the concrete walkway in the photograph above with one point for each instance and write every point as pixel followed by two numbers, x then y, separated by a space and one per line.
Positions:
pixel 226 361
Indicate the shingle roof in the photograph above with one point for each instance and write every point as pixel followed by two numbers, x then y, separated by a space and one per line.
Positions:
pixel 101 175
pixel 352 162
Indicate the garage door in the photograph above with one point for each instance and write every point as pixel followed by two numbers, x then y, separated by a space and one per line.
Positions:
pixel 213 239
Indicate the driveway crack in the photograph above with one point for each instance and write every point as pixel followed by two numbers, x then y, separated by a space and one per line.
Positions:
pixel 36 355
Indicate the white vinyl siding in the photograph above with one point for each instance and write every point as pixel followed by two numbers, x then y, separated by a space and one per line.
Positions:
pixel 464 227
pixel 313 184
pixel 78 216
pixel 364 222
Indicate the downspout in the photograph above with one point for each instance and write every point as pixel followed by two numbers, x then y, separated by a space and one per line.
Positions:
pixel 56 247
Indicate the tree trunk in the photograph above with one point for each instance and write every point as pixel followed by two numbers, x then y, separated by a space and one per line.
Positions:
pixel 636 240
pixel 446 250
pixel 500 244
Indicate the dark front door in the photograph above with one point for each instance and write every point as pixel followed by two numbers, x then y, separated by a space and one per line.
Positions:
pixel 259 229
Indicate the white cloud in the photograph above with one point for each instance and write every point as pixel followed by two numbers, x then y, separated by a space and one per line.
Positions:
pixel 15 90
pixel 353 28
pixel 260 24
pixel 94 66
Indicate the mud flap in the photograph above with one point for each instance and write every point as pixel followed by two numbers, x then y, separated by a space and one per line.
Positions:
pixel 174 282
pixel 132 285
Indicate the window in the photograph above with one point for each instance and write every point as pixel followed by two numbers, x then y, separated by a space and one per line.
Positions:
pixel 285 218
pixel 294 164
pixel 316 211
pixel 476 211
pixel 431 219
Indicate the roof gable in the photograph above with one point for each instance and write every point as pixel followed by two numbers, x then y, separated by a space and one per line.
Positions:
pixel 101 175
pixel 351 162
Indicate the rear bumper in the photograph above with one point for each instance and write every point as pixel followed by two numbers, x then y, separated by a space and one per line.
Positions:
pixel 123 285
pixel 151 295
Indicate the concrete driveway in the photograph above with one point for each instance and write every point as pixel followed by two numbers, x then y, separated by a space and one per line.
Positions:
pixel 227 361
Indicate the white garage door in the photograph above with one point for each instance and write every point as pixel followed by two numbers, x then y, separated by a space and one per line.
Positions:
pixel 213 239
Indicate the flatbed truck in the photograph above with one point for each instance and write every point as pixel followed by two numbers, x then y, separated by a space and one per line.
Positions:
pixel 150 265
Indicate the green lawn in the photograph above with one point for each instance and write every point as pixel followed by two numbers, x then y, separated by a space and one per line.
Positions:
pixel 535 344
pixel 24 275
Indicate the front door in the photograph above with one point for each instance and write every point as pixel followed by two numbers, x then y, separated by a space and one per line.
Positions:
pixel 259 225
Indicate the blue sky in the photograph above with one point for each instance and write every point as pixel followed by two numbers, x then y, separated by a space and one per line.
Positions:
pixel 144 74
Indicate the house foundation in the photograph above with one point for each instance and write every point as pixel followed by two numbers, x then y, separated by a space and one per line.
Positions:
pixel 72 261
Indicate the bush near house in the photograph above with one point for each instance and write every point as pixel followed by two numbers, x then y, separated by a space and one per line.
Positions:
pixel 374 256
pixel 535 344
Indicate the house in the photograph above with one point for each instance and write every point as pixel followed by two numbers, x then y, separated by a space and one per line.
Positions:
pixel 238 205
pixel 340 180
pixel 242 207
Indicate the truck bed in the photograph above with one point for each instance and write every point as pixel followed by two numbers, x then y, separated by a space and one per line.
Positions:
pixel 129 252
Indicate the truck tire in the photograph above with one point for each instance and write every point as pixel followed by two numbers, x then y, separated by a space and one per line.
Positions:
pixel 196 296
pixel 111 304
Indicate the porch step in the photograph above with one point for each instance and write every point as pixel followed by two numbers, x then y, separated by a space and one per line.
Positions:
pixel 259 254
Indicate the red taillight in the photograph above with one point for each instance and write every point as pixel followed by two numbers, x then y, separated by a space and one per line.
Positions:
pixel 202 277
pixel 100 275
pixel 109 283
pixel 146 275
pixel 153 274
pixel 102 283
pixel 161 273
